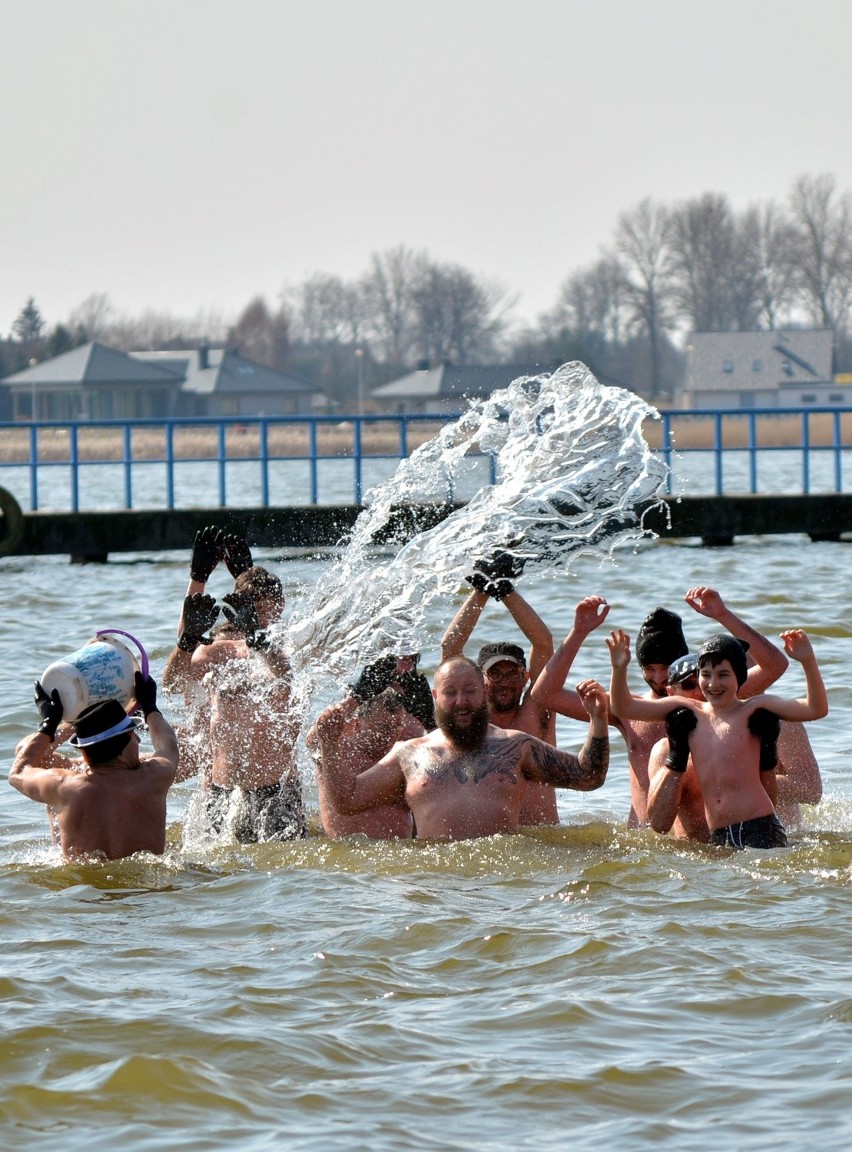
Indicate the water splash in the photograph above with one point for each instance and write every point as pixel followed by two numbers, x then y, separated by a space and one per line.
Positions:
pixel 574 476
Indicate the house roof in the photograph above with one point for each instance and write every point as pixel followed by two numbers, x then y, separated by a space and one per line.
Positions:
pixel 449 381
pixel 226 372
pixel 94 365
pixel 752 361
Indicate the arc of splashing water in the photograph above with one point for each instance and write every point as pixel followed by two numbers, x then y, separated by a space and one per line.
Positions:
pixel 575 476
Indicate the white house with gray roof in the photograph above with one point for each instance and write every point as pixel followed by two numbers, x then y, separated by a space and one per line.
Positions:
pixel 788 367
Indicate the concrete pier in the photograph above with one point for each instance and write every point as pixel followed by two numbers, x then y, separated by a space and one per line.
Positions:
pixel 93 536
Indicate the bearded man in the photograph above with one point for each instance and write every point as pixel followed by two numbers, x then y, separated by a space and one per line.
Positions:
pixel 468 777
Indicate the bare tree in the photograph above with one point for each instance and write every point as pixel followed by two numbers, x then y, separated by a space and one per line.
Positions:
pixel 642 244
pixel 326 310
pixel 704 250
pixel 459 317
pixel 820 249
pixel 387 291
pixel 775 289
pixel 262 335
pixel 94 316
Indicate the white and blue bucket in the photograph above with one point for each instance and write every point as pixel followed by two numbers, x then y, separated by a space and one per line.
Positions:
pixel 103 669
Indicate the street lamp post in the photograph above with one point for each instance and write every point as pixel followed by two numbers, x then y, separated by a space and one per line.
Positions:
pixel 359 360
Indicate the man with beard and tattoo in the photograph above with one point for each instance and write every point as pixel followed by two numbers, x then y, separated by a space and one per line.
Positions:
pixel 468 777
pixel 659 642
pixel 504 666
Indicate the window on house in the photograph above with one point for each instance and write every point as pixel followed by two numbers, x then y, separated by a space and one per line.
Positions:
pixel 836 398
pixel 757 365
pixel 728 366
pixel 808 398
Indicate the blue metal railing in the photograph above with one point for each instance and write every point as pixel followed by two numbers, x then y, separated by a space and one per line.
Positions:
pixel 26 448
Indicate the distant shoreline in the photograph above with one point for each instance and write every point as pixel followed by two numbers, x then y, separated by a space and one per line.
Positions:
pixel 242 441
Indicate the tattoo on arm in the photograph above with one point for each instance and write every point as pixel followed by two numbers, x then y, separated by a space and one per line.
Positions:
pixel 565 770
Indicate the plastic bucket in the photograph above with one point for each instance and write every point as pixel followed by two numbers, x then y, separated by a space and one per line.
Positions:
pixel 101 670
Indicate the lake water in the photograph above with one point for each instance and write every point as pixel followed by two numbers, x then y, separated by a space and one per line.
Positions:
pixel 586 987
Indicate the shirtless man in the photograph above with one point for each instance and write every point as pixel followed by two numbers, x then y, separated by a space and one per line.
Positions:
pixel 374 718
pixel 468 777
pixel 113 804
pixel 660 641
pixel 254 786
pixel 722 735
pixel 506 676
pixel 675 802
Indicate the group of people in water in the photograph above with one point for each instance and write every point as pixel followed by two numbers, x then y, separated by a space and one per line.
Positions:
pixel 712 755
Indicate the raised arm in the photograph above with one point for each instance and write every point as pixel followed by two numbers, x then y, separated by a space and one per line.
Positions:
pixel 534 629
pixel 462 625
pixel 815 703
pixel 549 690
pixel 622 702
pixel 769 661
pixel 543 764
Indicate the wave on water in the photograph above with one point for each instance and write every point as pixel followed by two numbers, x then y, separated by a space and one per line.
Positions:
pixel 574 476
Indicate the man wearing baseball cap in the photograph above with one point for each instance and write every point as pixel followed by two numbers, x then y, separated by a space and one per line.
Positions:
pixel 114 803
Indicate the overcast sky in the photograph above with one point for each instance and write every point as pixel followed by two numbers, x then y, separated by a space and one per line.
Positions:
pixel 187 155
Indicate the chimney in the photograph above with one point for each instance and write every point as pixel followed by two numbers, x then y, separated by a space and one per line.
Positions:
pixel 203 354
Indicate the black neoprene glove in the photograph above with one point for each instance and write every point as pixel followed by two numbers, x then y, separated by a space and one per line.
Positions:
pixel 145 690
pixel 207 550
pixel 237 554
pixel 766 726
pixel 240 610
pixel 679 724
pixel 49 708
pixel 493 575
pixel 200 612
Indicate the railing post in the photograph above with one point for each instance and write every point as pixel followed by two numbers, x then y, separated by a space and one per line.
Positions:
pixel 356 451
pixel 170 464
pixel 74 461
pixel 312 449
pixel 806 445
pixel 33 468
pixel 717 440
pixel 263 438
pixel 128 466
pixel 221 450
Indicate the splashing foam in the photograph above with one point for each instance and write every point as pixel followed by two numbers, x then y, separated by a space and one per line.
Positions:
pixel 574 476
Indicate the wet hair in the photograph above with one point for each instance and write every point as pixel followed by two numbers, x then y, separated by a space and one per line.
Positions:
pixel 721 647
pixel 259 583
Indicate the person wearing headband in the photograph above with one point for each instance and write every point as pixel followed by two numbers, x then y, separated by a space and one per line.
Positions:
pixel 113 804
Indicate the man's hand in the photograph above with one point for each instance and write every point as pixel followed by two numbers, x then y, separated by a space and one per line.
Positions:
pixel 238 556
pixel 590 613
pixel 50 710
pixel 200 612
pixel 618 643
pixel 593 697
pixel 145 690
pixel 207 550
pixel 493 575
pixel 706 601
pixel 241 611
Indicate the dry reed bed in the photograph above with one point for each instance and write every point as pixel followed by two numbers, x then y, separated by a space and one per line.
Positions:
pixel 243 442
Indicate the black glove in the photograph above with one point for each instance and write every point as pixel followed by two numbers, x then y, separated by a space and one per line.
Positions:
pixel 200 612
pixel 240 609
pixel 679 724
pixel 50 710
pixel 207 550
pixel 766 726
pixel 493 575
pixel 145 691
pixel 237 554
